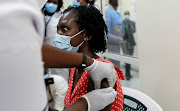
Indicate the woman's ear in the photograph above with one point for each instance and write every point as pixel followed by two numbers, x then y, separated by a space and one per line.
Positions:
pixel 86 38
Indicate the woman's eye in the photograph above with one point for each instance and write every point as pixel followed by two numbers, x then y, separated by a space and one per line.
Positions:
pixel 64 29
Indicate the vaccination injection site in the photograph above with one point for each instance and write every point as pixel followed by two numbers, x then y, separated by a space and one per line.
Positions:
pixel 89 55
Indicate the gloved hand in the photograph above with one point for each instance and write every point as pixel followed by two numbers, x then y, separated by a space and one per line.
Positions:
pixel 100 70
pixel 99 99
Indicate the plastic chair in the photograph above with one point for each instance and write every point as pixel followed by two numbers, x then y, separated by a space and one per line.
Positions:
pixel 137 101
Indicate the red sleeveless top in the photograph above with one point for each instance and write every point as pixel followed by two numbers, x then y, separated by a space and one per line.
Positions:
pixel 82 85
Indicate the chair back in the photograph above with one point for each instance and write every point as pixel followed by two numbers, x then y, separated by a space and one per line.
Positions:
pixel 135 100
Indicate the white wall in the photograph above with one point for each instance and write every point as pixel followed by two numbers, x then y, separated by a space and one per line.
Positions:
pixel 66 3
pixel 159 50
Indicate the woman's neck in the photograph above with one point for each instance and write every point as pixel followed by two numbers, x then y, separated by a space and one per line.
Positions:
pixel 85 48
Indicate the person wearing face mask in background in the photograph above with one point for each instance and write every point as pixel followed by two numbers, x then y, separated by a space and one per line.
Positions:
pixel 83 2
pixel 52 14
pixel 128 29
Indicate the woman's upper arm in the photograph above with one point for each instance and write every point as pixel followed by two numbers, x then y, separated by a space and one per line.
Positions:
pixel 104 84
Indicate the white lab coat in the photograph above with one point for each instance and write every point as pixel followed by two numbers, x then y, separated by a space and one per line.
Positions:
pixel 21 82
pixel 51 31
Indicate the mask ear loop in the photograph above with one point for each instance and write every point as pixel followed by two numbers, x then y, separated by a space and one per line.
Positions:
pixel 77 34
pixel 80 43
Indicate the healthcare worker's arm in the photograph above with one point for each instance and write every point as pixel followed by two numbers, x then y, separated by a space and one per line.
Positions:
pixel 93 101
pixel 57 58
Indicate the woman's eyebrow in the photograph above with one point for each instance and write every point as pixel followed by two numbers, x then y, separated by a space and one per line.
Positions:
pixel 62 24
pixel 66 22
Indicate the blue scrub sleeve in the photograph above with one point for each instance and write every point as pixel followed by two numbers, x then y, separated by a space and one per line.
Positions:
pixel 116 18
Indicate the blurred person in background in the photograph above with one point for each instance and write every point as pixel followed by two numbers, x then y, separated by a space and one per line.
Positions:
pixel 52 14
pixel 128 29
pixel 113 22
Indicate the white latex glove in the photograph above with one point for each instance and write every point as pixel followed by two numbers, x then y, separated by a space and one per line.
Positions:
pixel 99 99
pixel 100 70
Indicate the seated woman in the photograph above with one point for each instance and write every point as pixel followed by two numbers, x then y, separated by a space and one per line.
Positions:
pixel 83 29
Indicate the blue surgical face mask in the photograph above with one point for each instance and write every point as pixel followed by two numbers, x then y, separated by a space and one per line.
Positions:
pixel 50 7
pixel 76 3
pixel 126 17
pixel 63 42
